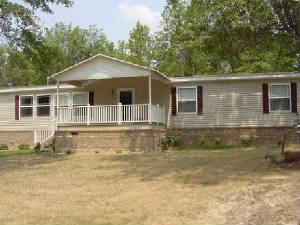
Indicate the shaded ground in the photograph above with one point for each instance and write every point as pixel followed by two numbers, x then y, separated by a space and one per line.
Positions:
pixel 233 186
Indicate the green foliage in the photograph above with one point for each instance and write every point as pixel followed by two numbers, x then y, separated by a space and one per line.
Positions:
pixel 3 146
pixel 245 142
pixel 15 152
pixel 19 25
pixel 218 142
pixel 196 37
pixel 119 151
pixel 201 141
pixel 68 152
pixel 169 141
pixel 140 45
pixel 24 147
pixel 62 46
pixel 37 147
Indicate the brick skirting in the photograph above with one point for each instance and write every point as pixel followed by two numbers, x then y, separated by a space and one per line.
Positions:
pixel 128 138
pixel 258 136
pixel 14 138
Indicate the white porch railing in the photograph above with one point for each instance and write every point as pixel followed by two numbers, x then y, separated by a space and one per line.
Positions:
pixel 105 114
pixel 45 133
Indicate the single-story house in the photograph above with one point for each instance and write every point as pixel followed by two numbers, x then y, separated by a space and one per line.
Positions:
pixel 107 103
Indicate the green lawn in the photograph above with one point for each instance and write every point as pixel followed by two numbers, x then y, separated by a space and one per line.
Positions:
pixel 208 147
pixel 15 152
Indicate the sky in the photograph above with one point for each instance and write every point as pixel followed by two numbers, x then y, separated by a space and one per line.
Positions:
pixel 115 17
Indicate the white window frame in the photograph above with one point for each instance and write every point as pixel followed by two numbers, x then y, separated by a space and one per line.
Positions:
pixel 280 110
pixel 36 104
pixel 177 99
pixel 32 106
pixel 71 101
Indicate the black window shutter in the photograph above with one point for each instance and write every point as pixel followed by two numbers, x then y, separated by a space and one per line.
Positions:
pixel 173 101
pixel 294 97
pixel 17 100
pixel 200 100
pixel 265 90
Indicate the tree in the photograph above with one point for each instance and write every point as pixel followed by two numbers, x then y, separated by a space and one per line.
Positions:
pixel 62 46
pixel 140 45
pixel 227 36
pixel 18 22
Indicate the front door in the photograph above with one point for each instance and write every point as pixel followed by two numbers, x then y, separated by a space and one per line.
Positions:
pixel 126 97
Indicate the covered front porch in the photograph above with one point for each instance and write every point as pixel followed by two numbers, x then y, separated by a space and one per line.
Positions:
pixel 117 92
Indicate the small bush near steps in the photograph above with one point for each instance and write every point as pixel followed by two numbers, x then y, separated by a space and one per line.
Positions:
pixel 3 146
pixel 24 147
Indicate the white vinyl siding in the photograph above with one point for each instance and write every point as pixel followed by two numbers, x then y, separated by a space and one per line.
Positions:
pixel 233 104
pixel 279 97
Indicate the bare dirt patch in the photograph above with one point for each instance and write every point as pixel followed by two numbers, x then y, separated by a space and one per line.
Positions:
pixel 271 200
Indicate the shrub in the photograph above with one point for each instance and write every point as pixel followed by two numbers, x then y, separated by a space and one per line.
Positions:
pixel 68 152
pixel 3 147
pixel 245 142
pixel 119 151
pixel 201 141
pixel 291 156
pixel 168 141
pixel 37 147
pixel 218 141
pixel 97 151
pixel 24 146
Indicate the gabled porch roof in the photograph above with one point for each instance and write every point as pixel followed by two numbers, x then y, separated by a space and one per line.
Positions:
pixel 104 67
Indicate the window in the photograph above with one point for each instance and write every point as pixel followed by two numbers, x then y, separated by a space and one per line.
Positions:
pixel 80 99
pixel 63 101
pixel 43 105
pixel 26 106
pixel 280 97
pixel 187 100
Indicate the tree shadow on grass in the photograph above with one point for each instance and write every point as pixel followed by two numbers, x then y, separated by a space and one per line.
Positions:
pixel 196 167
pixel 17 162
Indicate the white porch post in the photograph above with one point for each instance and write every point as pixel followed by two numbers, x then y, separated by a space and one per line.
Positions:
pixel 150 98
pixel 57 103
pixel 120 113
pixel 88 114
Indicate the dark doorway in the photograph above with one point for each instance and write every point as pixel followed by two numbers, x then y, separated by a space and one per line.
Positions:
pixel 126 97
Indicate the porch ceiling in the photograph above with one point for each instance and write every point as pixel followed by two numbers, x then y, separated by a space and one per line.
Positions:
pixel 104 67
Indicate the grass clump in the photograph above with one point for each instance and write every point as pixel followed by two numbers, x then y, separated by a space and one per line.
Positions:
pixel 218 142
pixel 201 141
pixel 68 152
pixel 24 147
pixel 245 142
pixel 119 151
pixel 3 146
